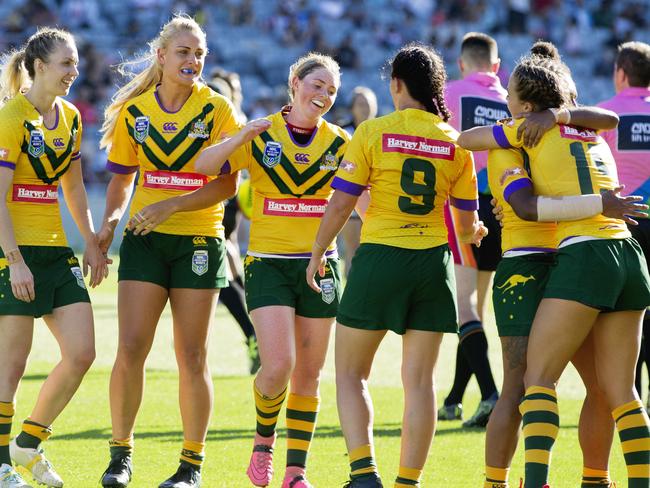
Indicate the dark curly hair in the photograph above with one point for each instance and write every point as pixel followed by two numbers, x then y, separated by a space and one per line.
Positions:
pixel 421 69
pixel 538 84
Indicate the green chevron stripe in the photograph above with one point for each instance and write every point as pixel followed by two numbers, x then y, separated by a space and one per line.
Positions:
pixel 301 178
pixel 168 147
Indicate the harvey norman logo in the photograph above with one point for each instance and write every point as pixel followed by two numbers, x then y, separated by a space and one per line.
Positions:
pixel 418 146
pixel 295 207
pixel 169 180
pixel 579 134
pixel 35 193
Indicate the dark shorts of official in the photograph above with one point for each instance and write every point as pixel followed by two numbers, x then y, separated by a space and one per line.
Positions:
pixel 277 281
pixel 173 261
pixel 392 288
pixel 519 284
pixel 58 281
pixel 489 254
pixel 641 233
pixel 608 274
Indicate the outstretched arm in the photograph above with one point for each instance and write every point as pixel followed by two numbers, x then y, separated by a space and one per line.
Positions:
pixel 336 215
pixel 212 158
pixel 217 190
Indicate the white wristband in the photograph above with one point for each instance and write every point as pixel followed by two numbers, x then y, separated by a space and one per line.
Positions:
pixel 554 209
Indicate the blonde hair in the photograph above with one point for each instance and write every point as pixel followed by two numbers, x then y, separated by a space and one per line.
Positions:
pixel 17 69
pixel 309 63
pixel 149 76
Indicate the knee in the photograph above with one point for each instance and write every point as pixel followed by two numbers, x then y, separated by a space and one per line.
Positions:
pixel 131 354
pixel 13 372
pixel 417 379
pixel 193 361
pixel 80 361
pixel 278 370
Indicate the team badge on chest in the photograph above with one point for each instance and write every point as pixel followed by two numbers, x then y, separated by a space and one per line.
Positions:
pixel 200 262
pixel 141 128
pixel 198 130
pixel 36 144
pixel 327 290
pixel 329 162
pixel 272 154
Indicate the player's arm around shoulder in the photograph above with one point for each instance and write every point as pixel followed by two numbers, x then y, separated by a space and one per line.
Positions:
pixel 212 159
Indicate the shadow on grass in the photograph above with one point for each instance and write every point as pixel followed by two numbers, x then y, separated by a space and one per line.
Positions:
pixel 323 431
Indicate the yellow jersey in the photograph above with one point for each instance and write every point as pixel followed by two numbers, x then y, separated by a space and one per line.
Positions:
pixel 412 164
pixel 570 160
pixel 508 171
pixel 39 156
pixel 163 146
pixel 290 184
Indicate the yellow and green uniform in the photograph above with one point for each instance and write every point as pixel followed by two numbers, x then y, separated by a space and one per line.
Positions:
pixel 291 187
pixel 163 147
pixel 592 252
pixel 39 156
pixel 528 247
pixel 410 161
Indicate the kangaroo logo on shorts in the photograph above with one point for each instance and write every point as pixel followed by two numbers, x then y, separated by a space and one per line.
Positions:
pixel 272 154
pixel 36 143
pixel 141 128
pixel 327 290
pixel 76 271
pixel 200 262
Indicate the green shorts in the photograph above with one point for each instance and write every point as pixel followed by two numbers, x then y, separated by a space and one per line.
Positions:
pixel 519 284
pixel 608 274
pixel 399 289
pixel 58 281
pixel 173 261
pixel 277 281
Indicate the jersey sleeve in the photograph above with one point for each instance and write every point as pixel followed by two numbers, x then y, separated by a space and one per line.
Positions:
pixel 506 134
pixel 464 191
pixel 76 150
pixel 353 173
pixel 239 159
pixel 225 122
pixel 123 156
pixel 9 144
pixel 507 172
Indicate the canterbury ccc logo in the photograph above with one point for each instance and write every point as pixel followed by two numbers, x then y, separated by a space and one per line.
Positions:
pixel 58 142
pixel 199 241
pixel 170 127
pixel 302 158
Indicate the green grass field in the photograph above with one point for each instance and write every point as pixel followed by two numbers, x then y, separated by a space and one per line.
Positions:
pixel 79 447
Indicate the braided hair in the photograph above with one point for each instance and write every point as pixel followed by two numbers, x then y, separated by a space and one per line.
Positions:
pixel 421 69
pixel 538 84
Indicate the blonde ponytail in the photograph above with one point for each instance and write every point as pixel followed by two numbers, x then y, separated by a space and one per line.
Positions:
pixel 150 76
pixel 13 77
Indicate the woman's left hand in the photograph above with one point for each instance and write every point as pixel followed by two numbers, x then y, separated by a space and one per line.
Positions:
pixel 535 126
pixel 95 260
pixel 150 217
pixel 318 262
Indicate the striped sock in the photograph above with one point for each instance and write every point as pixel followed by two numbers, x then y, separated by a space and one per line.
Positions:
pixel 121 447
pixel 362 461
pixel 33 434
pixel 592 478
pixel 407 477
pixel 633 428
pixel 301 423
pixel 496 477
pixel 268 410
pixel 193 453
pixel 6 415
pixel 541 423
